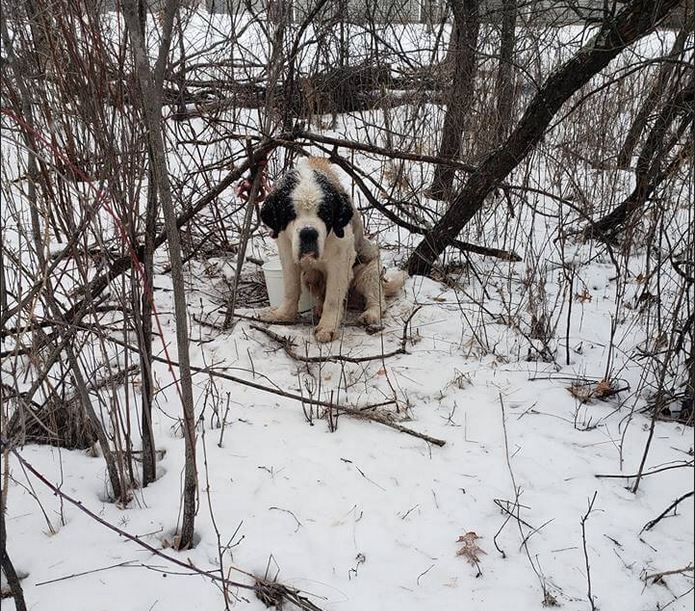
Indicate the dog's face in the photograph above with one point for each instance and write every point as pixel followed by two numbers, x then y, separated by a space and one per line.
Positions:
pixel 307 204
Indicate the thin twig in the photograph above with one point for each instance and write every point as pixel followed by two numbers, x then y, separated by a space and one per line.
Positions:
pixel 125 563
pixel 296 519
pixel 548 598
pixel 652 472
pixel 655 577
pixel 652 523
pixel 586 553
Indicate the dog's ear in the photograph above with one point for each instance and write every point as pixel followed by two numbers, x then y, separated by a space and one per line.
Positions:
pixel 342 214
pixel 277 210
pixel 270 213
pixel 335 210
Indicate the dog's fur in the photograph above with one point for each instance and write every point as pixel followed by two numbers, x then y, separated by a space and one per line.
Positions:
pixel 311 198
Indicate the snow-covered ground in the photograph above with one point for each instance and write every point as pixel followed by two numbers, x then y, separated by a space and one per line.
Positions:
pixel 367 517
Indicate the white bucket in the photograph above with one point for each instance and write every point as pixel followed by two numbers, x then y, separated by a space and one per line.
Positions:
pixel 272 271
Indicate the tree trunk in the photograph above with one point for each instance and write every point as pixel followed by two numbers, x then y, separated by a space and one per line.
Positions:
pixel 650 172
pixel 651 101
pixel 689 399
pixel 465 41
pixel 505 72
pixel 637 19
pixel 149 459
pixel 150 83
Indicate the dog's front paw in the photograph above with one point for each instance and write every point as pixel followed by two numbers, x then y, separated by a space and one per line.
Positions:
pixel 279 314
pixel 371 317
pixel 325 334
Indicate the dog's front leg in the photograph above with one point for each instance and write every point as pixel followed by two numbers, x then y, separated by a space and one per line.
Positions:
pixel 315 282
pixel 291 278
pixel 338 278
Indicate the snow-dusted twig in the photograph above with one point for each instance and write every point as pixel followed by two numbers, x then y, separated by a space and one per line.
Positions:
pixel 296 519
pixel 128 563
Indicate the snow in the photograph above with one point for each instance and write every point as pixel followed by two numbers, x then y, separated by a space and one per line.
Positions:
pixel 309 503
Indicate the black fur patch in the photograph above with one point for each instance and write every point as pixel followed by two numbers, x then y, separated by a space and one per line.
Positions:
pixel 335 209
pixel 278 211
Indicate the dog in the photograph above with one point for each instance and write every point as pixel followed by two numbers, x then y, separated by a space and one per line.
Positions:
pixel 321 242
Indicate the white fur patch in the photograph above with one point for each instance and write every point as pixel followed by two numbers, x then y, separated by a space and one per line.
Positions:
pixel 307 195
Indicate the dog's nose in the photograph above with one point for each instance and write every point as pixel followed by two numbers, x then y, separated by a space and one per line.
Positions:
pixel 308 242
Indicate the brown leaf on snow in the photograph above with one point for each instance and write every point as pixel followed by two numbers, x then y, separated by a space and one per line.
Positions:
pixel 470 549
pixel 585 391
pixel 581 391
pixel 584 296
pixel 604 388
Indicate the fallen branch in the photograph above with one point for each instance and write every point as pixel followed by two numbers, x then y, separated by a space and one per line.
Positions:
pixel 357 412
pixel 288 345
pixel 659 470
pixel 652 523
pixel 274 594
pixel 657 577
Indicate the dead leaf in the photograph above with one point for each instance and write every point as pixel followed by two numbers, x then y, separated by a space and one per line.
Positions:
pixel 470 549
pixel 585 391
pixel 581 391
pixel 584 296
pixel 604 388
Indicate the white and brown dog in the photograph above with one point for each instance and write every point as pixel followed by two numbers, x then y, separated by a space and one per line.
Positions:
pixel 321 243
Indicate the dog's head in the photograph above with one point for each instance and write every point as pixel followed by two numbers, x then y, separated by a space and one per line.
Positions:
pixel 307 203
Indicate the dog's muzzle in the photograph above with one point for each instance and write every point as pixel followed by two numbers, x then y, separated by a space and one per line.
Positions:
pixel 309 243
